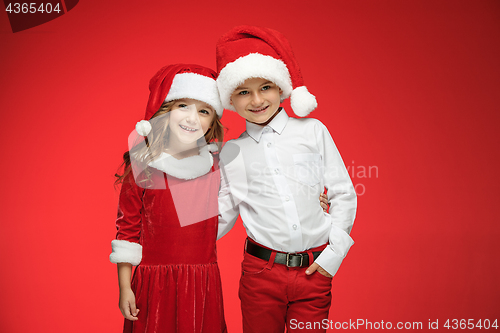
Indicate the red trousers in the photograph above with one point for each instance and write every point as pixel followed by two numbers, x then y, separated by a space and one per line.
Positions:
pixel 274 296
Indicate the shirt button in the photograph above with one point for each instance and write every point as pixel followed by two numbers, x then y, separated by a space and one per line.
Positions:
pixel 294 227
pixel 269 144
pixel 277 171
pixel 287 198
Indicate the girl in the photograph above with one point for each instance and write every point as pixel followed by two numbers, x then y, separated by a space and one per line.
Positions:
pixel 167 212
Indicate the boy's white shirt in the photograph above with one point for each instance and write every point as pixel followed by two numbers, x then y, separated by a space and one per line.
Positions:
pixel 273 176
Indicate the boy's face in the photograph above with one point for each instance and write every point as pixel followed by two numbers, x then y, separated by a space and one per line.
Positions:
pixel 257 100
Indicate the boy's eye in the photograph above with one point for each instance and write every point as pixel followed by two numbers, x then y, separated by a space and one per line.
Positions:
pixel 266 87
pixel 243 92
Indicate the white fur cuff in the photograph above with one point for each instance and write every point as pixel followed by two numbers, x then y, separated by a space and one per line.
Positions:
pixel 125 251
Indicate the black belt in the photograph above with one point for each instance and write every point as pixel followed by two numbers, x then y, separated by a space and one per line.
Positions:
pixel 288 259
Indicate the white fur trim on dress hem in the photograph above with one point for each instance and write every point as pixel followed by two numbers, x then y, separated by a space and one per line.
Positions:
pixel 249 66
pixel 125 251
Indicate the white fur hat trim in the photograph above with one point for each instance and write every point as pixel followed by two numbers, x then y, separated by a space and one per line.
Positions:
pixel 195 86
pixel 249 66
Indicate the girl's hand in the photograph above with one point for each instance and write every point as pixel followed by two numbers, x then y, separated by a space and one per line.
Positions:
pixel 127 304
pixel 323 201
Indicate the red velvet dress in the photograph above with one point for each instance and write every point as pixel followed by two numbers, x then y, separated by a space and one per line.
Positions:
pixel 177 284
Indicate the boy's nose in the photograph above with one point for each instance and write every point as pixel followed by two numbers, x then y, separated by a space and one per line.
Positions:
pixel 257 99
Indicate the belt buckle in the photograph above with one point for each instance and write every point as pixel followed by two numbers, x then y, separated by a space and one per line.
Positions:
pixel 294 254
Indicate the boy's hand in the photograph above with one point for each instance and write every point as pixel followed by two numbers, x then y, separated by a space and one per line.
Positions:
pixel 323 201
pixel 315 267
pixel 127 304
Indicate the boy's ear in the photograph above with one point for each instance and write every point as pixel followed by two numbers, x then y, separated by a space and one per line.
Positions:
pixel 281 92
pixel 231 101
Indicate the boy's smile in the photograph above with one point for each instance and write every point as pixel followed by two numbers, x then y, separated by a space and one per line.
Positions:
pixel 257 100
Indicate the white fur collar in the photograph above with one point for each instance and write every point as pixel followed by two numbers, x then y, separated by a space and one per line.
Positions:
pixel 187 168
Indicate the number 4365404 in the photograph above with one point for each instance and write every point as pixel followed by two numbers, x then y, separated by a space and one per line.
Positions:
pixel 470 324
pixel 32 8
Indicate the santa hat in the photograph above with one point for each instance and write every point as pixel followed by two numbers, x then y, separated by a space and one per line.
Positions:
pixel 248 52
pixel 180 81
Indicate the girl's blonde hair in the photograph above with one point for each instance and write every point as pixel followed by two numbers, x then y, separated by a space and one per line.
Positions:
pixel 157 140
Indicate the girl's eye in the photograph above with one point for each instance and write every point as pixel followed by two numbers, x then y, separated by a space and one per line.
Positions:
pixel 183 105
pixel 204 111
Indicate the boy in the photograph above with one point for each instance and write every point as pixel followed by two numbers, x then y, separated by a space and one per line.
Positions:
pixel 272 175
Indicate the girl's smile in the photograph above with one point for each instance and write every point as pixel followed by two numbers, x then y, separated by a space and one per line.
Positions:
pixel 189 120
pixel 189 129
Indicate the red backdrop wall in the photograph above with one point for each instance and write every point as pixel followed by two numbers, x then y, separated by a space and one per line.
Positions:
pixel 408 89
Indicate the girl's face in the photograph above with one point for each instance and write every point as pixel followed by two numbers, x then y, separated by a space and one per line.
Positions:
pixel 189 120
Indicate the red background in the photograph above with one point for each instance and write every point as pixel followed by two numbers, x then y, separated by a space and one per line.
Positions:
pixel 409 88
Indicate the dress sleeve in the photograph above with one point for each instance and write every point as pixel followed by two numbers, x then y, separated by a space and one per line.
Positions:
pixel 126 247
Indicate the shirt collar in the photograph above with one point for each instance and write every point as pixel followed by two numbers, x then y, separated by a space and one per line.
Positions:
pixel 277 124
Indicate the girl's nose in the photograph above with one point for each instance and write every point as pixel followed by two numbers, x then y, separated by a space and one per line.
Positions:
pixel 192 115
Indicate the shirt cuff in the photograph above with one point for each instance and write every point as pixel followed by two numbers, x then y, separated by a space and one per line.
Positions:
pixel 125 251
pixel 329 260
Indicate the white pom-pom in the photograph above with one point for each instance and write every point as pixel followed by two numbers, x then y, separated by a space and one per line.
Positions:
pixel 212 147
pixel 302 101
pixel 143 127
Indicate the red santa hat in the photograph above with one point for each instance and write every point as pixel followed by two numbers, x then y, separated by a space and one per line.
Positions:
pixel 247 52
pixel 180 81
